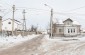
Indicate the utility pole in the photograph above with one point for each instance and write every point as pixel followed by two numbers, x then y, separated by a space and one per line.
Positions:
pixel 24 22
pixel 51 23
pixel 13 20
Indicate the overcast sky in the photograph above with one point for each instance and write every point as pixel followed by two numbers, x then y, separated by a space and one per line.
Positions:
pixel 39 14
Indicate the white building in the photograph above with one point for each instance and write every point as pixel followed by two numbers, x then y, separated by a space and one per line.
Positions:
pixel 7 25
pixel 67 28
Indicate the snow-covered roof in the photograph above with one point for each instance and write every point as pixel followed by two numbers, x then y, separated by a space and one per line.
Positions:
pixel 60 22
pixel 54 20
pixel 68 20
pixel 16 21
pixel 75 22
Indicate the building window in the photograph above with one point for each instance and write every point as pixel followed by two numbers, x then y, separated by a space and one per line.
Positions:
pixel 71 31
pixel 60 30
pixel 68 31
pixel 9 22
pixel 74 30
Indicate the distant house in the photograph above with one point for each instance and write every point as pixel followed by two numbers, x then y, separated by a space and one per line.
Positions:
pixel 7 25
pixel 66 28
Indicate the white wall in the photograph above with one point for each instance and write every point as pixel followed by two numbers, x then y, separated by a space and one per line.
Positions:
pixel 70 33
pixel 8 27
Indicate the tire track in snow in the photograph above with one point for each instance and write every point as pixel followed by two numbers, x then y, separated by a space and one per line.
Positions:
pixel 25 48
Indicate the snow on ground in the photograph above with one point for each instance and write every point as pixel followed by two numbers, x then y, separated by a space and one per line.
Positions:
pixel 48 46
pixel 10 41
pixel 62 46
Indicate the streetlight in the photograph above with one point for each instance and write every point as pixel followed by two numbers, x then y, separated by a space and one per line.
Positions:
pixel 51 20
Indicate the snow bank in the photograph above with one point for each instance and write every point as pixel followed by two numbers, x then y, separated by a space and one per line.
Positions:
pixel 10 41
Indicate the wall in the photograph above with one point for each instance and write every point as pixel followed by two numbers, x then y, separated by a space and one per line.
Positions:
pixel 70 33
pixel 58 33
pixel 68 23
pixel 8 27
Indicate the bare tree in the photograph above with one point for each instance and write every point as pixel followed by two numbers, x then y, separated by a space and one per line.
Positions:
pixel 34 29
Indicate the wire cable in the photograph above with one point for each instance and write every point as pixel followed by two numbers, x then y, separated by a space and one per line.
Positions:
pixel 75 9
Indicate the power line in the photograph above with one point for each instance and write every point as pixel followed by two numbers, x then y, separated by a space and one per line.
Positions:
pixel 5 3
pixel 6 13
pixel 40 10
pixel 62 13
pixel 21 8
pixel 75 9
pixel 69 13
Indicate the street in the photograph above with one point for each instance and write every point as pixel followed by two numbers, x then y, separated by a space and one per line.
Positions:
pixel 42 46
pixel 24 48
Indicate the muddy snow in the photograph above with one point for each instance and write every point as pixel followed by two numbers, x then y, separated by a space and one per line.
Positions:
pixel 9 41
pixel 48 46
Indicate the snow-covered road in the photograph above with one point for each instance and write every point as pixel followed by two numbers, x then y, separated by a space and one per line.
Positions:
pixel 6 42
pixel 59 46
pixel 25 48
pixel 42 45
